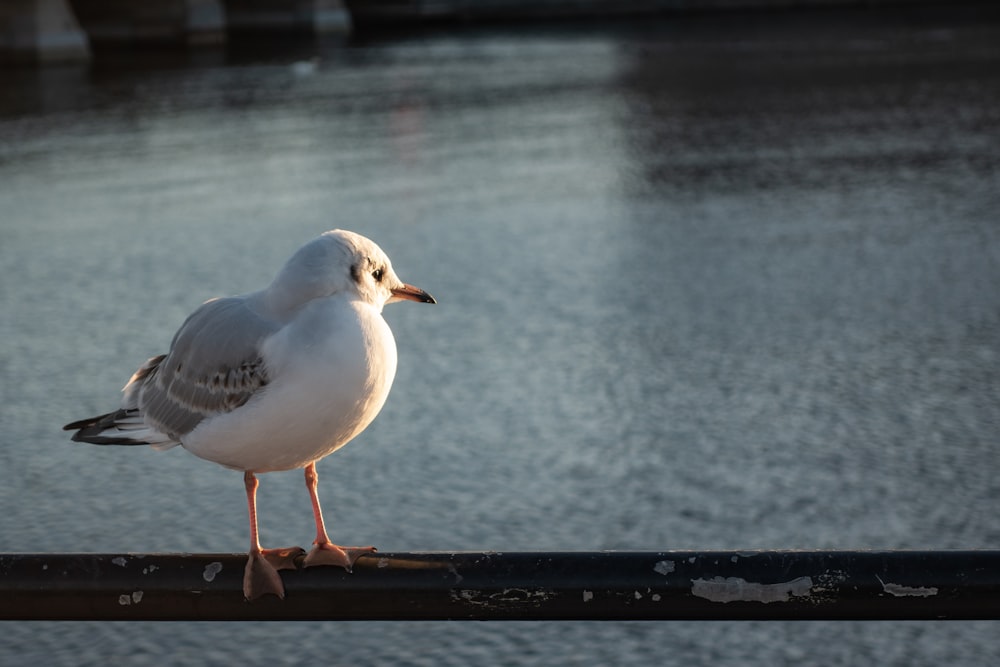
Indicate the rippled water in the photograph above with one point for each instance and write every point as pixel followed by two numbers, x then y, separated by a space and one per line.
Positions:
pixel 710 283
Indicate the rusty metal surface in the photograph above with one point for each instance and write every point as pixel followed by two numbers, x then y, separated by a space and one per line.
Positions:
pixel 668 585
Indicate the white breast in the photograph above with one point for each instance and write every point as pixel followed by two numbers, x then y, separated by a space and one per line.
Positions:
pixel 330 371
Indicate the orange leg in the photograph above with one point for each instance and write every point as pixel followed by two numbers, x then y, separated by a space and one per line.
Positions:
pixel 261 574
pixel 326 552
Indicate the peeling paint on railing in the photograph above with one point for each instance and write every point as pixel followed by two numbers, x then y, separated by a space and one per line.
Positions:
pixel 665 585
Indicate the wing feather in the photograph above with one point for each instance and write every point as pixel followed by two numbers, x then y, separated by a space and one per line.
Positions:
pixel 214 366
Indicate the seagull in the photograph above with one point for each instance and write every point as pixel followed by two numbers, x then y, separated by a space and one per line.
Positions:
pixel 273 380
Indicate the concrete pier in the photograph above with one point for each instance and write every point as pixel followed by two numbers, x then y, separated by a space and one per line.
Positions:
pixel 41 30
pixel 192 21
pixel 379 11
pixel 321 16
pixel 47 30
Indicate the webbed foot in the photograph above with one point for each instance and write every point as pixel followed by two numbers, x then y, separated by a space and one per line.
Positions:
pixel 261 578
pixel 285 558
pixel 327 553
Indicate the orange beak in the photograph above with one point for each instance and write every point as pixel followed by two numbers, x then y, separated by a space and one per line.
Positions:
pixel 411 293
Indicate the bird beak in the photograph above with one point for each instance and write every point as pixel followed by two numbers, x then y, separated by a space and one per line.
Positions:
pixel 411 293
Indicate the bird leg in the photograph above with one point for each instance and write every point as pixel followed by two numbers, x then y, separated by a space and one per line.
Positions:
pixel 261 574
pixel 326 552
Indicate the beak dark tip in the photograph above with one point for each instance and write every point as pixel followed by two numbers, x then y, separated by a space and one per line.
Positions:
pixel 411 293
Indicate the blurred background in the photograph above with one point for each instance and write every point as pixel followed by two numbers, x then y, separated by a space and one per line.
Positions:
pixel 708 278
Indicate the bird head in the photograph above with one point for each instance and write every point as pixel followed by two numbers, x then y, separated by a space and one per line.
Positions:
pixel 340 261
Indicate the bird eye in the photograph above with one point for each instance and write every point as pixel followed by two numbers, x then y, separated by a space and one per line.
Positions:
pixel 377 275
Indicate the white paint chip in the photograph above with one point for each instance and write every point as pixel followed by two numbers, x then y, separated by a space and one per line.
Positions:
pixel 734 589
pixel 119 561
pixel 453 570
pixel 588 596
pixel 137 597
pixel 900 591
pixel 124 600
pixel 211 570
pixel 664 567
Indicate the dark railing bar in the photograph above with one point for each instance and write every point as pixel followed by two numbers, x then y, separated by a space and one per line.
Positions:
pixel 614 585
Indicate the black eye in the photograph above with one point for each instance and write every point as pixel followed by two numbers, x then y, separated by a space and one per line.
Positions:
pixel 377 275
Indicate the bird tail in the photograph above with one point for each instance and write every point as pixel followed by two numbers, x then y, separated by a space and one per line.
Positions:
pixel 122 427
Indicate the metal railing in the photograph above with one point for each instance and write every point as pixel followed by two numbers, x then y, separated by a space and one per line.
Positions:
pixel 705 585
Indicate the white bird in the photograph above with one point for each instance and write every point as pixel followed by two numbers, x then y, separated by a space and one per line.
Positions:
pixel 273 380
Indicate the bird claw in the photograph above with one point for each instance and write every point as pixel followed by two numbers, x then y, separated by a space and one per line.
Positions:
pixel 327 553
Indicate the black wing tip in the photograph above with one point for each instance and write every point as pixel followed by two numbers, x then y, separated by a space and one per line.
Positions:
pixel 104 440
pixel 93 436
pixel 98 422
pixel 89 430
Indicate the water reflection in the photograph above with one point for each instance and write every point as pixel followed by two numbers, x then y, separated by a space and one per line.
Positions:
pixel 702 285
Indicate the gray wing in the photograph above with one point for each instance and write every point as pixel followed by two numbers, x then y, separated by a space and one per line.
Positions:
pixel 214 366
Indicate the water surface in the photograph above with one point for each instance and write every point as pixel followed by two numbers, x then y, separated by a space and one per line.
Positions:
pixel 708 283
